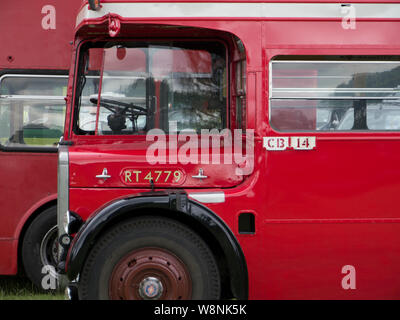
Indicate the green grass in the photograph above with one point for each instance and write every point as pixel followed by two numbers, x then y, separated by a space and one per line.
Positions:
pixel 20 288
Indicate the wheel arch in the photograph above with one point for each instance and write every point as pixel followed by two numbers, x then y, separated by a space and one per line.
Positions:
pixel 176 206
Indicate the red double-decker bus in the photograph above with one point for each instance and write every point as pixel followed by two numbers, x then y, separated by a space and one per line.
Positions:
pixel 232 149
pixel 36 39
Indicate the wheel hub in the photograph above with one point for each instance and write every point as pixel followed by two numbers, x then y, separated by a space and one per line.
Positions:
pixel 150 274
pixel 49 248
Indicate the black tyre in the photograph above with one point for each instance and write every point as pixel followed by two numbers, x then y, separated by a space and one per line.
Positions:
pixel 39 248
pixel 150 258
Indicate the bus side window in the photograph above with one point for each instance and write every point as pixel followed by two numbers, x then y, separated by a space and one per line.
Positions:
pixel 32 110
pixel 335 93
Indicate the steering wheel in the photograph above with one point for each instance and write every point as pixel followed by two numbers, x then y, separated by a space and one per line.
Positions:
pixel 120 107
pixel 121 111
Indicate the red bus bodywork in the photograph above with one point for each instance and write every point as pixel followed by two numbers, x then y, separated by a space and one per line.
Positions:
pixel 28 185
pixel 316 211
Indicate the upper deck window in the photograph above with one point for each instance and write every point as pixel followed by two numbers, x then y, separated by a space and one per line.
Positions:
pixel 135 87
pixel 341 94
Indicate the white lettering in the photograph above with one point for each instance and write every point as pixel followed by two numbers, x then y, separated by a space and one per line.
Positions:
pixel 156 152
pixel 276 143
pixel 349 17
pixel 49 281
pixel 49 20
pixel 166 310
pixel 190 147
pixel 349 280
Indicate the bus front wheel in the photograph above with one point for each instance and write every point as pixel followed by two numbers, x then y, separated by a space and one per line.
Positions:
pixel 150 258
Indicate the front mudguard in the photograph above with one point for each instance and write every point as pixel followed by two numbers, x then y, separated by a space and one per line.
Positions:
pixel 180 207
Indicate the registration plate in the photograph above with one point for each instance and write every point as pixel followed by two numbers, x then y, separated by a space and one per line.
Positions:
pixel 145 176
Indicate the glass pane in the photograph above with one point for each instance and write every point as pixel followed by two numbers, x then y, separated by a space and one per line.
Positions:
pixel 4 122
pixel 335 115
pixel 383 115
pixel 147 86
pixel 244 76
pixel 31 122
pixel 32 110
pixel 34 85
pixel 335 79
pixel 321 115
pixel 241 112
pixel 240 94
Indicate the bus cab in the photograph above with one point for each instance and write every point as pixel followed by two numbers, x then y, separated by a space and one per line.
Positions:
pixel 232 150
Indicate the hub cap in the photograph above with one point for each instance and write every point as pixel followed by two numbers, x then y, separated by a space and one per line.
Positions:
pixel 149 274
pixel 150 288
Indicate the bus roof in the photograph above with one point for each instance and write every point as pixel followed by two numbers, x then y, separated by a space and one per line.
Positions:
pixel 233 9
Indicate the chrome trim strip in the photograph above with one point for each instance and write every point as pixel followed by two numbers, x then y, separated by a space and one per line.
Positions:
pixel 348 90
pixel 26 75
pixel 63 190
pixel 31 97
pixel 332 98
pixel 22 96
pixel 335 61
pixel 239 10
pixel 208 197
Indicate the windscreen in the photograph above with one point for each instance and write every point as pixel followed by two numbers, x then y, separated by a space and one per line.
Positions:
pixel 131 88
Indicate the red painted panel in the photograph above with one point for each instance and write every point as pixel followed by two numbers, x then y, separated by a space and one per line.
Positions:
pixel 305 261
pixel 88 161
pixel 27 178
pixel 318 33
pixel 8 254
pixel 23 37
pixel 29 40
